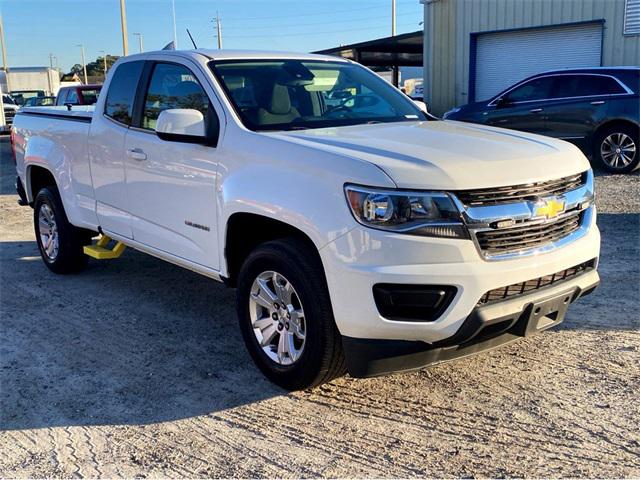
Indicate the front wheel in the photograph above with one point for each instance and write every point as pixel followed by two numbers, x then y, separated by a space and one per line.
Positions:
pixel 286 318
pixel 617 149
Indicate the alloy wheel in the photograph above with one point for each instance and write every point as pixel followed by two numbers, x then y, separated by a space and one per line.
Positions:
pixel 48 230
pixel 277 318
pixel 618 150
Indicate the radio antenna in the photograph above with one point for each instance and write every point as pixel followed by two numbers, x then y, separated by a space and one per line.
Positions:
pixel 194 43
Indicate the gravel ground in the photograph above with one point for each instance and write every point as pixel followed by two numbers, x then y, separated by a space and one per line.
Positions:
pixel 136 368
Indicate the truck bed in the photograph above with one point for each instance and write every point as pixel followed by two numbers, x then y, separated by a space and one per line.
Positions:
pixel 55 139
pixel 82 113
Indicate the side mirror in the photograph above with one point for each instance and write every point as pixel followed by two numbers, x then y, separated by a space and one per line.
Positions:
pixel 422 106
pixel 181 125
pixel 502 102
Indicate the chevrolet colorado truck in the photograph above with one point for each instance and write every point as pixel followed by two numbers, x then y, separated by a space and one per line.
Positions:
pixel 362 235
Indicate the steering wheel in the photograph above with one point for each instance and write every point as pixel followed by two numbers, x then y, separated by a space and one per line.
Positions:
pixel 337 108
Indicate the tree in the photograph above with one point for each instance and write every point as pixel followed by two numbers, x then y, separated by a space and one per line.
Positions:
pixel 95 68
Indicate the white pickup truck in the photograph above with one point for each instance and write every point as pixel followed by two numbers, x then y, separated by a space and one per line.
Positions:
pixel 362 234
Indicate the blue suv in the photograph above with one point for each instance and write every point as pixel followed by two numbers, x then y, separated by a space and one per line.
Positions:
pixel 597 109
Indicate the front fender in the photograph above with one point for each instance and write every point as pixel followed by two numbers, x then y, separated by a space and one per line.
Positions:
pixel 294 184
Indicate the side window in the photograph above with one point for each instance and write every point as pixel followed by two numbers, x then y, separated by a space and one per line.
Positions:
pixel 72 97
pixel 172 86
pixel 62 97
pixel 89 97
pixel 536 89
pixel 610 86
pixel 122 91
pixel 567 86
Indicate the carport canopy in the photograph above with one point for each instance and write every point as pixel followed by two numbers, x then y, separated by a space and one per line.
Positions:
pixel 398 51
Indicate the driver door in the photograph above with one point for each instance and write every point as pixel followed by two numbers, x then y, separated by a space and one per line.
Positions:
pixel 171 185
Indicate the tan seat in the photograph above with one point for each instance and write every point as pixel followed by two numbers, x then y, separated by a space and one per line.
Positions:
pixel 279 109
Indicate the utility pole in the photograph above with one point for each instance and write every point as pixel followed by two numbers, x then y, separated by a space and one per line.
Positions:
pixel 49 74
pixel 139 35
pixel 4 55
pixel 395 73
pixel 104 58
pixel 393 18
pixel 123 25
pixel 84 63
pixel 219 30
pixel 175 35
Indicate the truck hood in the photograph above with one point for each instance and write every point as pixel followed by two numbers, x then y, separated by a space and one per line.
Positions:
pixel 447 154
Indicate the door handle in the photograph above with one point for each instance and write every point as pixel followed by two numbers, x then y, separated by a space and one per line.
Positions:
pixel 535 110
pixel 598 102
pixel 137 154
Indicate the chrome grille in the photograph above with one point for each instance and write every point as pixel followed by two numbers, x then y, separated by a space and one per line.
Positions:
pixel 8 115
pixel 536 283
pixel 527 235
pixel 518 193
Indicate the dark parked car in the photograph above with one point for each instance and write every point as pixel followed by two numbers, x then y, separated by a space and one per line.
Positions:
pixel 598 109
pixel 78 95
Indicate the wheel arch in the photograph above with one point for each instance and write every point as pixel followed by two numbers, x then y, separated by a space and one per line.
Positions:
pixel 609 123
pixel 38 177
pixel 245 231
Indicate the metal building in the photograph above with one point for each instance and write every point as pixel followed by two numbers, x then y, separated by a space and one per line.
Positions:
pixel 473 49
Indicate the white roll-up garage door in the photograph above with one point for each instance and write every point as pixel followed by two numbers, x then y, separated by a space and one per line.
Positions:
pixel 504 58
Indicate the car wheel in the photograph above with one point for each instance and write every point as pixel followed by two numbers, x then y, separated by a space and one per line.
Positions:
pixel 617 149
pixel 60 243
pixel 286 318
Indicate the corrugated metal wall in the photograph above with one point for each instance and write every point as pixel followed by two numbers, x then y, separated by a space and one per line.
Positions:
pixel 449 24
pixel 439 55
pixel 504 58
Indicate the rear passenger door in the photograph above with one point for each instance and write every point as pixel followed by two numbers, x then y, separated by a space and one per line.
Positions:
pixel 171 186
pixel 578 104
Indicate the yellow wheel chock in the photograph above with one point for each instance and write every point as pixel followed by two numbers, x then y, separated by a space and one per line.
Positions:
pixel 100 250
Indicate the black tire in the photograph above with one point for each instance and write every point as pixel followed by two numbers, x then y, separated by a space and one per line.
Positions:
pixel 69 257
pixel 615 132
pixel 322 358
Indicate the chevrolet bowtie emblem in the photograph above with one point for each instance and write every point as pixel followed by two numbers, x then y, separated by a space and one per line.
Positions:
pixel 549 208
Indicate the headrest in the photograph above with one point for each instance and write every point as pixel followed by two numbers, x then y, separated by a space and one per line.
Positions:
pixel 188 87
pixel 280 102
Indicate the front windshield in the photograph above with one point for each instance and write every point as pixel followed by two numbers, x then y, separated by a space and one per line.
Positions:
pixel 8 99
pixel 295 94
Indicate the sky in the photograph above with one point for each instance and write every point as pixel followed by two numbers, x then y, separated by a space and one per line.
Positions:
pixel 36 28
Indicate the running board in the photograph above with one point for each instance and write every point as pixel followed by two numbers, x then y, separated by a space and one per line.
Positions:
pixel 100 251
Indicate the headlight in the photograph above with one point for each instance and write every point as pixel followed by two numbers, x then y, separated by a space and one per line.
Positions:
pixel 430 214
pixel 450 112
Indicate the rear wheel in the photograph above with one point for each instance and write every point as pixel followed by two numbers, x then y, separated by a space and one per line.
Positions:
pixel 286 318
pixel 60 243
pixel 617 149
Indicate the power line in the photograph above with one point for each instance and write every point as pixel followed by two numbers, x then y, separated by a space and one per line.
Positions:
pixel 278 35
pixel 314 14
pixel 319 23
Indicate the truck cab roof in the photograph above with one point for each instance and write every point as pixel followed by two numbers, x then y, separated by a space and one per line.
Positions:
pixel 239 55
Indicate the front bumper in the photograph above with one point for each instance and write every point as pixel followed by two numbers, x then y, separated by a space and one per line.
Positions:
pixel 364 257
pixel 487 327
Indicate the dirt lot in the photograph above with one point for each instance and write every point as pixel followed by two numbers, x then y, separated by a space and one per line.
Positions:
pixel 136 368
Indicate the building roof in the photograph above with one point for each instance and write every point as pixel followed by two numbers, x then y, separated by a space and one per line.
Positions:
pixel 400 50
pixel 28 69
